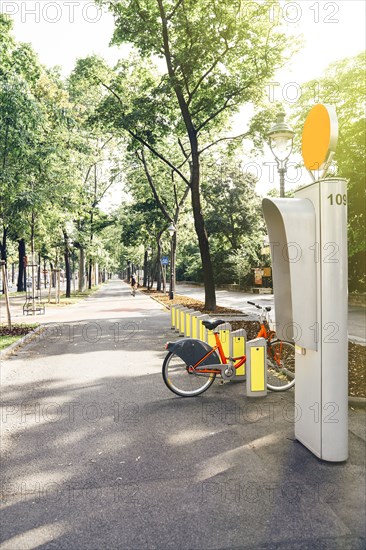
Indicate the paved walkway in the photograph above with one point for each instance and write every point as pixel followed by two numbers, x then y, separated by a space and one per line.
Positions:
pixel 238 300
pixel 97 453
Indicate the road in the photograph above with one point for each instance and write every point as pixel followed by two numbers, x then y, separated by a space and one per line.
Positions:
pixel 97 453
pixel 238 300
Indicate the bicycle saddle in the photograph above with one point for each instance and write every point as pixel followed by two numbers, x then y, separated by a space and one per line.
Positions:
pixel 212 325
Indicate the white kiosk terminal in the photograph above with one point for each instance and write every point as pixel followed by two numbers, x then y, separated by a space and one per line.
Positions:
pixel 308 239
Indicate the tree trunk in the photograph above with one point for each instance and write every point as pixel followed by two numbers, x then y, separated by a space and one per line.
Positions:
pixel 3 245
pixel 3 249
pixel 144 283
pixel 81 270
pixel 174 260
pixel 21 284
pixel 52 276
pixel 39 273
pixel 44 273
pixel 90 271
pixel 67 265
pixel 6 292
pixel 158 262
pixel 199 223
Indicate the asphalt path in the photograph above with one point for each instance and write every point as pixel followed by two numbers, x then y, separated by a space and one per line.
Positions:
pixel 238 300
pixel 98 454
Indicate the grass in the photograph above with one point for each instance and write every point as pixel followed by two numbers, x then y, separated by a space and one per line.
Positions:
pixel 6 341
pixel 74 298
pixel 2 296
pixel 9 336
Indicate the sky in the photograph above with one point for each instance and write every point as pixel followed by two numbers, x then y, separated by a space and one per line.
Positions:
pixel 62 31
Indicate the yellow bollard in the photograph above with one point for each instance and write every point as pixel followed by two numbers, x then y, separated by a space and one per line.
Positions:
pixel 195 324
pixel 187 323
pixel 257 368
pixel 224 333
pixel 172 317
pixel 177 318
pixel 238 340
pixel 182 320
pixel 201 328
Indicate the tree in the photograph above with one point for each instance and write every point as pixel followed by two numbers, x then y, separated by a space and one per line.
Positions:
pixel 101 162
pixel 343 85
pixel 218 56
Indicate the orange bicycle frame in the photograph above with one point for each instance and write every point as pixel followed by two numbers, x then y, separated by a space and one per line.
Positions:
pixel 218 346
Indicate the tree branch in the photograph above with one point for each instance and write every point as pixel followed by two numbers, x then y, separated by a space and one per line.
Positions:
pixel 152 186
pixel 220 110
pixel 143 142
pixel 170 16
pixel 200 80
pixel 182 148
pixel 246 134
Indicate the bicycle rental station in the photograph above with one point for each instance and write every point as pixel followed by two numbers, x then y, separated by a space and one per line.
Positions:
pixel 308 242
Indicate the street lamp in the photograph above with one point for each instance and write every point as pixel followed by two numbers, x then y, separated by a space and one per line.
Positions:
pixel 281 138
pixel 171 231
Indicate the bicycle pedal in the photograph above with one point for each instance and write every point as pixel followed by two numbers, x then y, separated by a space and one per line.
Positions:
pixel 222 382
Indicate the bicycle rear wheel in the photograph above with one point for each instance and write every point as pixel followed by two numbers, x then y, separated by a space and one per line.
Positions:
pixel 180 381
pixel 280 365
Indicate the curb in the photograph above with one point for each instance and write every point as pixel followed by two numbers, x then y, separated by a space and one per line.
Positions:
pixel 357 402
pixel 357 340
pixel 5 353
pixel 153 298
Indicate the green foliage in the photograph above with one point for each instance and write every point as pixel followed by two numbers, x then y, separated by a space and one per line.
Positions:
pixel 344 86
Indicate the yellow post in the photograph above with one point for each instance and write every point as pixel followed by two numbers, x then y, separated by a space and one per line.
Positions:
pixel 182 320
pixel 201 328
pixel 257 368
pixel 224 331
pixel 238 340
pixel 172 316
pixel 194 324
pixel 187 323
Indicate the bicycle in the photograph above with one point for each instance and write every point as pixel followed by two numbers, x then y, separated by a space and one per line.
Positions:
pixel 191 365
pixel 280 354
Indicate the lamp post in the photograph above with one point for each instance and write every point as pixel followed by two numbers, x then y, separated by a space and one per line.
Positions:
pixel 171 231
pixel 281 138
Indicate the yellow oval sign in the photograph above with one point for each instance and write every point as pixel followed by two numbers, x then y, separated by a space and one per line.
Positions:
pixel 319 137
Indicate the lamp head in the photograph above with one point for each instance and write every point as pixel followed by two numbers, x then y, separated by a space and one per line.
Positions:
pixel 171 229
pixel 281 138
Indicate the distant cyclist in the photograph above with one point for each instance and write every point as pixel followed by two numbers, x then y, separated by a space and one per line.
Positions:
pixel 133 284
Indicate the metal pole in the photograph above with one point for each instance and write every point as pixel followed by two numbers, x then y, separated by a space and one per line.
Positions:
pixel 282 181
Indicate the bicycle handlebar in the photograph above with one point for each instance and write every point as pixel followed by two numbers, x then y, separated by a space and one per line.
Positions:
pixel 267 308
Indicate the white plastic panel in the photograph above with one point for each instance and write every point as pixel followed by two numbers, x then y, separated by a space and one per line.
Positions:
pixel 291 230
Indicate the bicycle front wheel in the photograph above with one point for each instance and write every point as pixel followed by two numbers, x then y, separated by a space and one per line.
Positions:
pixel 280 365
pixel 180 381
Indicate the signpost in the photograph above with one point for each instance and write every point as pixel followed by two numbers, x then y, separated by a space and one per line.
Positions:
pixel 308 239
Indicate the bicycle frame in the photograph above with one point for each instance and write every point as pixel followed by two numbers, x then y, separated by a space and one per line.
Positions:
pixel 224 360
pixel 236 361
